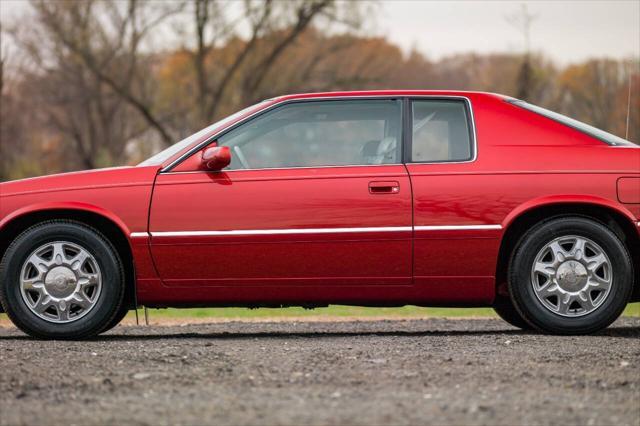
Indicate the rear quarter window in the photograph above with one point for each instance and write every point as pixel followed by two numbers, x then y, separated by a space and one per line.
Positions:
pixel 594 132
pixel 440 131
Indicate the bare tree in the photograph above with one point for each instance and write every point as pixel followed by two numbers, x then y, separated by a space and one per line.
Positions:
pixel 75 102
pixel 273 27
pixel 106 38
pixel 596 92
pixel 208 16
pixel 111 50
pixel 304 13
pixel 3 155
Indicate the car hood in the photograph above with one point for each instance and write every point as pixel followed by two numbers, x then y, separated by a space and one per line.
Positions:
pixel 98 178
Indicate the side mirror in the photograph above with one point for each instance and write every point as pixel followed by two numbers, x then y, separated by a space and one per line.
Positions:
pixel 216 158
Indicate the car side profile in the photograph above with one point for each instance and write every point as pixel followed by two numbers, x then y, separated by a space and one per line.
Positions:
pixel 378 198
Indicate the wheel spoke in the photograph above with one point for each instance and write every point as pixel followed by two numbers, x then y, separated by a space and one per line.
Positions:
pixel 58 254
pixel 33 284
pixel 63 310
pixel 81 299
pixel 600 283
pixel 547 291
pixel 78 260
pixel 544 288
pixel 42 265
pixel 594 263
pixel 578 248
pixel 584 299
pixel 87 279
pixel 43 303
pixel 551 290
pixel 564 301
pixel 559 254
pixel 545 269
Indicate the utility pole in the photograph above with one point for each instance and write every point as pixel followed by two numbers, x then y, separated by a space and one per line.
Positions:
pixel 522 21
pixel 630 72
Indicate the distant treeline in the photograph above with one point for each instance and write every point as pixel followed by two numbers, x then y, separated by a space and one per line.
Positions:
pixel 96 83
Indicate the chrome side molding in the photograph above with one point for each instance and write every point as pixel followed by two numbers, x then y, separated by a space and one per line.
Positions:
pixel 294 231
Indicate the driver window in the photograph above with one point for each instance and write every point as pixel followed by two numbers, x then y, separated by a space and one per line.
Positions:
pixel 318 133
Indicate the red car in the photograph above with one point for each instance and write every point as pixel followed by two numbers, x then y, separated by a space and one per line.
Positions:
pixel 381 198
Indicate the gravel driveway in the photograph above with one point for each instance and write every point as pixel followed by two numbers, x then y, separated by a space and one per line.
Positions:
pixel 432 371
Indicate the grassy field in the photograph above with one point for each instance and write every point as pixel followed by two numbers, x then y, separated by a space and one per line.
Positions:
pixel 337 311
pixel 333 311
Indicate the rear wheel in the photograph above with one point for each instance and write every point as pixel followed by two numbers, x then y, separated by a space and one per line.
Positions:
pixel 570 276
pixel 61 280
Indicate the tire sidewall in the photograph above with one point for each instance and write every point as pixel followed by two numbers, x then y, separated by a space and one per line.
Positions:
pixel 507 312
pixel 533 310
pixel 109 300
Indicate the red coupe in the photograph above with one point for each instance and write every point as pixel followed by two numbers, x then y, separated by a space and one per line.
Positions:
pixel 381 198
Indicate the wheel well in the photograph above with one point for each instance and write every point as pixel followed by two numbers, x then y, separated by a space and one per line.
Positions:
pixel 616 222
pixel 108 228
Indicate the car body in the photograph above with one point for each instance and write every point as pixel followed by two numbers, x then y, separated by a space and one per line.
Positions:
pixel 422 225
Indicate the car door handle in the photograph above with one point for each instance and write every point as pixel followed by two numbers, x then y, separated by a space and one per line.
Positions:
pixel 387 187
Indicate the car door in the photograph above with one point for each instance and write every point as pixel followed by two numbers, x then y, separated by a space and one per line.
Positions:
pixel 455 240
pixel 316 196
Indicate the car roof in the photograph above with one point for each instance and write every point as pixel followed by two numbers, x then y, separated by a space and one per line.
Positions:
pixel 386 93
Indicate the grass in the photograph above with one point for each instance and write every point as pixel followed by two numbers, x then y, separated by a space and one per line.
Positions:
pixel 633 310
pixel 333 311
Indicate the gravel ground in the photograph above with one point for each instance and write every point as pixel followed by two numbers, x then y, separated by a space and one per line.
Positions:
pixel 431 371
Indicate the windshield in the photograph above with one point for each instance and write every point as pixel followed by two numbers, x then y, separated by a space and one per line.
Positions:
pixel 605 137
pixel 166 154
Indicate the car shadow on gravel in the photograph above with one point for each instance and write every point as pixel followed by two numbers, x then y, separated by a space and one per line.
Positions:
pixel 620 332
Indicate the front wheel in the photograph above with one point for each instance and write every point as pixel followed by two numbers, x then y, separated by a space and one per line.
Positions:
pixel 61 280
pixel 570 276
pixel 503 306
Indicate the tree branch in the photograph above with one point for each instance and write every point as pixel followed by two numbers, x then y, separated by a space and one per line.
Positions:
pixel 257 27
pixel 305 14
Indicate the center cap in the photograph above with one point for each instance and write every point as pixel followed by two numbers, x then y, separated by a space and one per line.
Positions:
pixel 572 276
pixel 60 282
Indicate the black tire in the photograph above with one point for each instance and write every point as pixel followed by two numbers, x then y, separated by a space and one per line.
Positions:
pixel 124 310
pixel 523 295
pixel 106 307
pixel 505 310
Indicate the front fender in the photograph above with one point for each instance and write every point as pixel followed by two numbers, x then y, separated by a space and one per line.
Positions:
pixel 71 205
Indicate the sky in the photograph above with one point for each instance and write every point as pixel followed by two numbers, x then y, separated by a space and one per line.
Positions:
pixel 565 31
